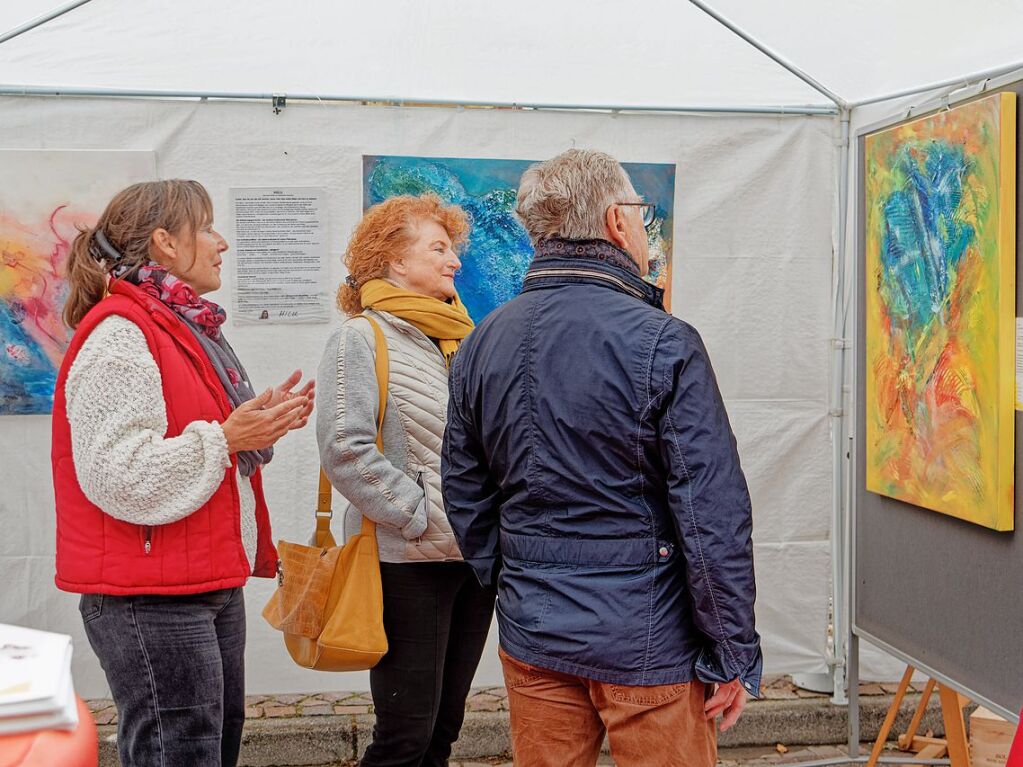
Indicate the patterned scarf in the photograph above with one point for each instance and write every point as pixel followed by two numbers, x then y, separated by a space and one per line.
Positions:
pixel 204 319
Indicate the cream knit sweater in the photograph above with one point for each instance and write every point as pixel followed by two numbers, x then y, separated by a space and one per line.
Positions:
pixel 118 419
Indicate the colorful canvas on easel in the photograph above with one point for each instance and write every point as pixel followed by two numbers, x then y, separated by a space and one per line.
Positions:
pixel 940 306
pixel 45 198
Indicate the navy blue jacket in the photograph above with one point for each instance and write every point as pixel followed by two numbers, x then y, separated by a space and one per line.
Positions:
pixel 589 465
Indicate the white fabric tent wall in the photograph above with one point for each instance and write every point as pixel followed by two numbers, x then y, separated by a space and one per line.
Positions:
pixel 753 260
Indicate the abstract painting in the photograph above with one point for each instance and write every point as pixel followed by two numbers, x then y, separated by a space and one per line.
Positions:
pixel 940 306
pixel 499 252
pixel 45 198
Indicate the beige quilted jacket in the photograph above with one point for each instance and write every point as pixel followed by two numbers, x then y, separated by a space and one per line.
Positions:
pixel 387 487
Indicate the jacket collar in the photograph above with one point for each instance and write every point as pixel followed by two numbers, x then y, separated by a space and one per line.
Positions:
pixel 588 250
pixel 551 267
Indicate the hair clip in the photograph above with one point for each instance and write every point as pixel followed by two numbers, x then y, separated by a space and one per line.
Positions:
pixel 351 282
pixel 104 251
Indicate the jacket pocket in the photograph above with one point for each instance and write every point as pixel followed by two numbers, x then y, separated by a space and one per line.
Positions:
pixel 597 617
pixel 427 493
pixel 517 673
pixel 436 543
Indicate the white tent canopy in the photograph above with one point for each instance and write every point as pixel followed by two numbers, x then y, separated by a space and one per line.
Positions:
pixel 661 54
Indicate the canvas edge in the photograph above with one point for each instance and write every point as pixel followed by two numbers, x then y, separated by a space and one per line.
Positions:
pixel 870 478
pixel 1004 513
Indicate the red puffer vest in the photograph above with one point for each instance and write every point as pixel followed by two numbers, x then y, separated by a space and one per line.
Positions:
pixel 97 554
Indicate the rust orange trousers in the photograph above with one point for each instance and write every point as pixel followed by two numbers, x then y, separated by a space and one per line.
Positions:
pixel 559 720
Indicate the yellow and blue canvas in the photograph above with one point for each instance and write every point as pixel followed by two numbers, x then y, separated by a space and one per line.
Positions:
pixel 33 289
pixel 940 307
pixel 498 253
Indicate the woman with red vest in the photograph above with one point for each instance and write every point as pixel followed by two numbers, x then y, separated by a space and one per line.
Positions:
pixel 158 442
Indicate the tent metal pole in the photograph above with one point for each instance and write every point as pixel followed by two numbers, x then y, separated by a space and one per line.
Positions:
pixel 13 90
pixel 771 54
pixel 962 81
pixel 40 20
pixel 839 419
pixel 853 676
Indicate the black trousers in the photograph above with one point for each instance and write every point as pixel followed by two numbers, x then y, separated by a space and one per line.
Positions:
pixel 437 617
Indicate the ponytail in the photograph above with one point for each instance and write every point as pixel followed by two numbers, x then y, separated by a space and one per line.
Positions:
pixel 86 278
pixel 349 298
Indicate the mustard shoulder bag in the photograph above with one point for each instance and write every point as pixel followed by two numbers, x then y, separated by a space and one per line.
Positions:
pixel 329 601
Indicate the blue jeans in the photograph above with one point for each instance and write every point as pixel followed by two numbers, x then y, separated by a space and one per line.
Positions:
pixel 176 668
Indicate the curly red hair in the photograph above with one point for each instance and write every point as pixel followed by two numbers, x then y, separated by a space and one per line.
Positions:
pixel 387 230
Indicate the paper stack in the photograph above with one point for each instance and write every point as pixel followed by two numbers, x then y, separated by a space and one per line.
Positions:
pixel 36 691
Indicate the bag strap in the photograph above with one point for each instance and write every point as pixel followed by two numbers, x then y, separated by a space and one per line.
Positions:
pixel 324 513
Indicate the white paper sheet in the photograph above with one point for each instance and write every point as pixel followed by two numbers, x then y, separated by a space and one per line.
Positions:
pixel 1019 363
pixel 280 255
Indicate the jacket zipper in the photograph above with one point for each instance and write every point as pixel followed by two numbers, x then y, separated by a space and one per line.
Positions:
pixel 585 273
pixel 149 539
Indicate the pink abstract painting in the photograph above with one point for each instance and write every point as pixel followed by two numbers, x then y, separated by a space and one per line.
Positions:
pixel 47 197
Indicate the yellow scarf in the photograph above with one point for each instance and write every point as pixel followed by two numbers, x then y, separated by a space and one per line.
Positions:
pixel 449 323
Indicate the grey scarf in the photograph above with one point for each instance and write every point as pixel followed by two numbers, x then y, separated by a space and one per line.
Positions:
pixel 222 357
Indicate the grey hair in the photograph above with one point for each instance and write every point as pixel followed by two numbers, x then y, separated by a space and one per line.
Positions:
pixel 568 195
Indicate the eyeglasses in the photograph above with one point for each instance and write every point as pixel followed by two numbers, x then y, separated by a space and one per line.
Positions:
pixel 647 209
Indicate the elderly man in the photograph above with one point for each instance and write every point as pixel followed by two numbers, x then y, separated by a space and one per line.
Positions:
pixel 590 471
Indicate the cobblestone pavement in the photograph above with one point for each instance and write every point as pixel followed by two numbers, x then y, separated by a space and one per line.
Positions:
pixel 736 757
pixel 487 699
pixel 480 699
pixel 731 757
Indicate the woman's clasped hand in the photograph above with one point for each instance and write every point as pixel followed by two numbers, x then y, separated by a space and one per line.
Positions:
pixel 261 421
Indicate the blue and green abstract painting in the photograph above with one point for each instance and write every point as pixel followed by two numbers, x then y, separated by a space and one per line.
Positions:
pixel 499 252
pixel 940 311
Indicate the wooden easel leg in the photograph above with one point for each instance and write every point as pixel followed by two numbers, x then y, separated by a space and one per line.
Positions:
pixel 955 726
pixel 906 740
pixel 889 720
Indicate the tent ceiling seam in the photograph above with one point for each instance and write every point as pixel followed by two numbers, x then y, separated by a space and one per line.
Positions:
pixel 963 83
pixel 777 58
pixel 38 21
